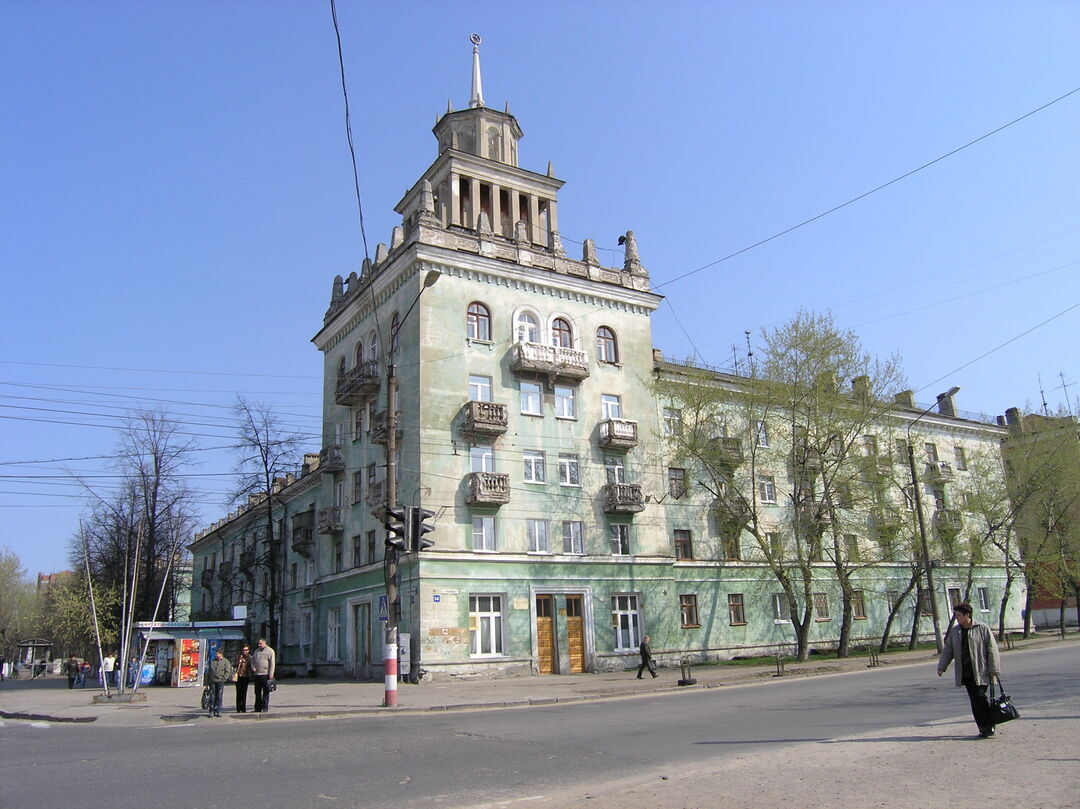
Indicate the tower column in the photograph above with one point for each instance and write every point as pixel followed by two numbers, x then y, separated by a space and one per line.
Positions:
pixel 534 219
pixel 474 199
pixel 455 199
pixel 496 209
pixel 515 211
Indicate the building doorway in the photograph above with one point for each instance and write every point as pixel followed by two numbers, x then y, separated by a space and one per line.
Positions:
pixel 575 634
pixel 362 641
pixel 545 634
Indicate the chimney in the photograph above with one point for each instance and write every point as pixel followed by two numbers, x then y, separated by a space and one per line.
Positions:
pixel 1014 419
pixel 905 398
pixel 945 404
pixel 860 386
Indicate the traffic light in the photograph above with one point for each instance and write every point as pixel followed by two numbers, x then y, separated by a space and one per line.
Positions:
pixel 395 520
pixel 420 526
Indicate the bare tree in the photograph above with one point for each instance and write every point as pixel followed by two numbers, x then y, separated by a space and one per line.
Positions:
pixel 17 602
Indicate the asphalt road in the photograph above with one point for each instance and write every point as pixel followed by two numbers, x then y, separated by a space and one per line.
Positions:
pixel 489 757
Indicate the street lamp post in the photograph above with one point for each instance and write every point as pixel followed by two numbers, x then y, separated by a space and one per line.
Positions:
pixel 390 552
pixel 922 521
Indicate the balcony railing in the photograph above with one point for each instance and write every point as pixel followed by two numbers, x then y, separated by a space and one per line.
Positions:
pixel 618 434
pixel 884 521
pixel 485 418
pixel 328 520
pixel 331 458
pixel 376 493
pixel 623 498
pixel 488 489
pixel 813 515
pixel 378 433
pixel 357 383
pixel 303 541
pixel 247 560
pixel 948 520
pixel 555 361
pixel 939 472
pixel 726 451
pixel 731 510
pixel 207 577
pixel 225 570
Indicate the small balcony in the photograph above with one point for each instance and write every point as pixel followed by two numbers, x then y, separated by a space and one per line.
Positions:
pixel 379 434
pixel 247 559
pixel 813 516
pixel 731 511
pixel 623 498
pixel 939 472
pixel 206 578
pixel 357 383
pixel 948 521
pixel 876 466
pixel 488 489
pixel 225 570
pixel 303 541
pixel 331 458
pixel 806 457
pixel 554 361
pixel 726 452
pixel 618 434
pixel 328 520
pixel 485 418
pixel 884 521
pixel 376 492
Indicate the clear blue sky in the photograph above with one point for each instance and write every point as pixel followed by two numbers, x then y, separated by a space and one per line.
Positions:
pixel 177 194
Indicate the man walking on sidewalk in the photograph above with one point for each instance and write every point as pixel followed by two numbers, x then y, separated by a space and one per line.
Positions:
pixel 263 665
pixel 646 658
pixel 971 644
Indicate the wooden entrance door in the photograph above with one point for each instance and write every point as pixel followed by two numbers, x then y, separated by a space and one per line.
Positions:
pixel 575 634
pixel 362 641
pixel 545 635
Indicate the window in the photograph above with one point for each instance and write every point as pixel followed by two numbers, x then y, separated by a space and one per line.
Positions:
pixel 371 546
pixel 869 446
pixel 684 546
pixel 373 346
pixel 357 486
pixel 672 421
pixel 333 634
pixel 984 599
pixel 762 434
pixel 395 336
pixel 527 328
pixel 767 489
pixel 478 323
pixel 339 555
pixel 736 611
pixel 294 577
pixel 775 545
pixel 961 458
pixel 482 459
pixel 843 495
pixel 607 349
pixel 537 533
pixel 610 406
pixel 858 605
pixel 780 611
pixel 931 452
pixel 924 603
pixel 357 550
pixel 851 547
pixel 730 546
pixel 615 467
pixel 485 625
pixel 569 471
pixel 688 608
pixel 676 479
pixel 620 539
pixel 358 423
pixel 626 623
pixel 572 541
pixel 821 607
pixel 892 598
pixel 480 388
pixel 534 466
pixel 530 399
pixel 359 353
pixel 483 533
pixel 561 334
pixel 939 498
pixel 955 596
pixel 564 402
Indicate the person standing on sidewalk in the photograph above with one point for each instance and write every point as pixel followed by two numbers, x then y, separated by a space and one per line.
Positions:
pixel 646 658
pixel 971 644
pixel 243 678
pixel 217 674
pixel 71 669
pixel 107 666
pixel 263 665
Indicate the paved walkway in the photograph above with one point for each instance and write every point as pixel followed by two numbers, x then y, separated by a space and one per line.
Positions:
pixel 50 699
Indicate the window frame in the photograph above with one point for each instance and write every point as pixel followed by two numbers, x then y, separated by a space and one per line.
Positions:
pixel 619 533
pixel 858 605
pixel 984 598
pixel 626 638
pixel 534 467
pixel 478 386
pixel 683 540
pixel 821 607
pixel 736 609
pixel 780 609
pixel 607 346
pixel 767 489
pixel 527 397
pixel 569 470
pixel 562 333
pixel 610 406
pixel 482 458
pixel 676 476
pixel 495 633
pixel 574 538
pixel 478 323
pixel 489 542
pixel 565 394
pixel 688 611
pixel 537 536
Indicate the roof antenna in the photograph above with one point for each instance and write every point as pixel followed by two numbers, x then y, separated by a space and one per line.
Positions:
pixel 1042 393
pixel 477 97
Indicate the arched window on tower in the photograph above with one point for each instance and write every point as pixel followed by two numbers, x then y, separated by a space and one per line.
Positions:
pixel 561 333
pixel 359 353
pixel 494 144
pixel 478 322
pixel 342 367
pixel 527 328
pixel 607 348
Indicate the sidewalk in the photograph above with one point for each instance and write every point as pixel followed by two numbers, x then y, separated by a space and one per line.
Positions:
pixel 50 699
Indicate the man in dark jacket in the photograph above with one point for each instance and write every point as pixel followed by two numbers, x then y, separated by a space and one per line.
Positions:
pixel 971 644
pixel 217 674
pixel 646 658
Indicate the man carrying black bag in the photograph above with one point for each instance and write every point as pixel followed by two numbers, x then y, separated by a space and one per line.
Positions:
pixel 971 644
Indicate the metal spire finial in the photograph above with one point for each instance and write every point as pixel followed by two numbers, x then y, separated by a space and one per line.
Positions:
pixel 477 97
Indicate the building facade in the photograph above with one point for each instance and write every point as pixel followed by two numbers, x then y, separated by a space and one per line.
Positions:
pixel 530 420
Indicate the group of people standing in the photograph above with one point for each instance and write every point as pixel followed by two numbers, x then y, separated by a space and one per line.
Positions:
pixel 252 668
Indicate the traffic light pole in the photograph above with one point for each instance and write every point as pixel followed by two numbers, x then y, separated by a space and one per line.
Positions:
pixel 390 553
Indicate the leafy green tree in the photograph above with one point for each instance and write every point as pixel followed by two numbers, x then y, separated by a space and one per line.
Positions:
pixel 17 602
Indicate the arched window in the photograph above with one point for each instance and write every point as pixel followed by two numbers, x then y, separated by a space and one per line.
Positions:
pixel 561 334
pixel 607 349
pixel 494 144
pixel 478 322
pixel 395 338
pixel 343 366
pixel 527 329
pixel 359 353
pixel 373 346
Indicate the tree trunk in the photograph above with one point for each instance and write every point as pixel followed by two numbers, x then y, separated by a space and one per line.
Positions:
pixel 896 608
pixel 1027 612
pixel 1004 603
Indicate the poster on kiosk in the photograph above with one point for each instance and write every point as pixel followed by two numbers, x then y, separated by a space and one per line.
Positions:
pixel 187 672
